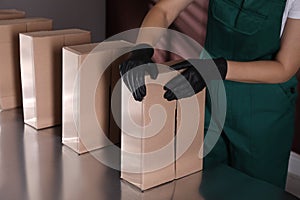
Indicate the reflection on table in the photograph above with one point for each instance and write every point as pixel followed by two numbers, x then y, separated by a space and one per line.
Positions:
pixel 34 165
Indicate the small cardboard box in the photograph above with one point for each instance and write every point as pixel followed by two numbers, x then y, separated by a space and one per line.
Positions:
pixel 86 94
pixel 10 80
pixel 148 130
pixel 11 14
pixel 41 72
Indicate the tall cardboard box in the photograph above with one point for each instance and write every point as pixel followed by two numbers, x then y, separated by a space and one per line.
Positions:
pixel 189 134
pixel 86 94
pixel 41 72
pixel 11 14
pixel 148 130
pixel 10 80
pixel 183 128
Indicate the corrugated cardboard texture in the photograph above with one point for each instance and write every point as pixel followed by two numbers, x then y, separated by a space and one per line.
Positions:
pixel 81 65
pixel 11 14
pixel 10 80
pixel 162 134
pixel 41 70
pixel 189 135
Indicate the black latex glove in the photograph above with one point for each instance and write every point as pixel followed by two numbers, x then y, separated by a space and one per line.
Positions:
pixel 133 70
pixel 190 81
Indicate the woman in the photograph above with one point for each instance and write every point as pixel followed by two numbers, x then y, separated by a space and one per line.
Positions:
pixel 256 48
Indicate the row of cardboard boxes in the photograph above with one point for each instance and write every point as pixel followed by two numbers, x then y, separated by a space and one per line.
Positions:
pixel 61 78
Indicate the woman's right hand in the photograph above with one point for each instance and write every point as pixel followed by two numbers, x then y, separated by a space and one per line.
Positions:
pixel 133 70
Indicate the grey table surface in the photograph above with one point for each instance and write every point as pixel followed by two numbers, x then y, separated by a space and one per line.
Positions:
pixel 34 165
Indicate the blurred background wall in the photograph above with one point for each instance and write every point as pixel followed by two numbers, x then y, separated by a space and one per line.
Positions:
pixel 88 14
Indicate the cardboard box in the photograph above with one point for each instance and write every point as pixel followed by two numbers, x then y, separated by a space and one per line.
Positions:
pixel 87 68
pixel 187 144
pixel 41 72
pixel 11 14
pixel 148 130
pixel 10 80
pixel 189 135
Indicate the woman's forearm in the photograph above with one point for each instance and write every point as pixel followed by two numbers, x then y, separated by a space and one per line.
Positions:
pixel 162 15
pixel 285 65
pixel 156 18
pixel 259 72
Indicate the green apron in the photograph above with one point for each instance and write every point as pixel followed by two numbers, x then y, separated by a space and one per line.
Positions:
pixel 259 125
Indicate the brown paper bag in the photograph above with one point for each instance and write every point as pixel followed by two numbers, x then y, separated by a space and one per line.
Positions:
pixel 148 130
